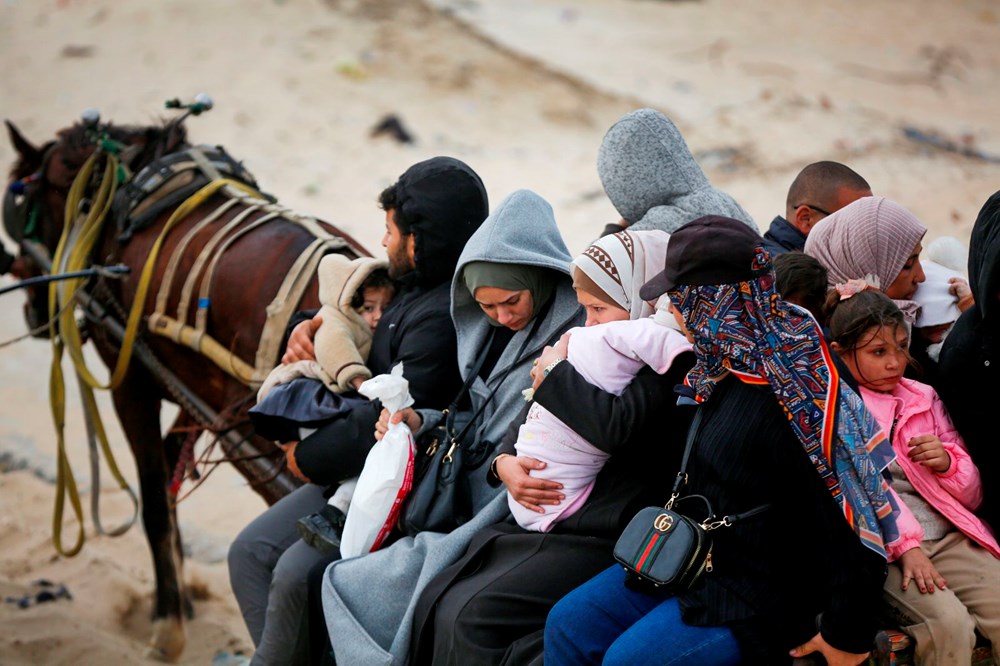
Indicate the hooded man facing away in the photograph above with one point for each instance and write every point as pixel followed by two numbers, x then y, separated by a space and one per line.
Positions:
pixel 653 180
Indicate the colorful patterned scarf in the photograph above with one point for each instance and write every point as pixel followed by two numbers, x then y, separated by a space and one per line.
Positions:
pixel 746 329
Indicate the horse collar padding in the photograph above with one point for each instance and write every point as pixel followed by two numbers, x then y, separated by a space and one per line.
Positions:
pixel 168 181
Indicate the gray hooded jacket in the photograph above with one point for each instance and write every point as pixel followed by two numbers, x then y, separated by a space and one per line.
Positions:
pixel 368 601
pixel 653 180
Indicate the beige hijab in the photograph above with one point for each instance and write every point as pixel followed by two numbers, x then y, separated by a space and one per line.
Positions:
pixel 869 239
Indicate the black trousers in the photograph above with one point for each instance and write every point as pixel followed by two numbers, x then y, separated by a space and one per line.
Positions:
pixel 491 606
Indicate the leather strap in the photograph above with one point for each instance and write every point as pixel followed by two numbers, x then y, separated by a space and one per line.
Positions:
pixel 682 479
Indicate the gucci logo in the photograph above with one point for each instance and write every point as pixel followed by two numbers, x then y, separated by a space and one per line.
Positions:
pixel 663 522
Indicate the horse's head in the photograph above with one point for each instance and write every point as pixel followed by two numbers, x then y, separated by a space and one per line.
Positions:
pixel 34 203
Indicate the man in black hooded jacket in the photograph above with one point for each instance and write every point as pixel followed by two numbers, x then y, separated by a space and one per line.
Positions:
pixel 431 211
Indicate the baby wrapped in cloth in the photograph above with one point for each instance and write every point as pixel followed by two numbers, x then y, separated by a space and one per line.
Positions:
pixel 608 356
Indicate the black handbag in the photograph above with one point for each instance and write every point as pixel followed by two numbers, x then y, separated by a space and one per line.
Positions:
pixel 441 498
pixel 662 548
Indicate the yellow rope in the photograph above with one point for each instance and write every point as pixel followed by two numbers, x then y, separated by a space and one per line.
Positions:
pixel 68 332
pixel 73 253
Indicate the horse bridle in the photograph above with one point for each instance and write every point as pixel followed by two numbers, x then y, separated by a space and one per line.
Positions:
pixel 21 206
pixel 21 200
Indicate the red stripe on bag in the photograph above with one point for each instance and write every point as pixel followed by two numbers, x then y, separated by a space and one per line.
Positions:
pixel 397 504
pixel 645 553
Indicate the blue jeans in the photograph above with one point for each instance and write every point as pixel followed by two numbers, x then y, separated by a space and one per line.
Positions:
pixel 603 622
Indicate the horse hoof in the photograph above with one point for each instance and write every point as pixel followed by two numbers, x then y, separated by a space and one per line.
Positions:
pixel 168 640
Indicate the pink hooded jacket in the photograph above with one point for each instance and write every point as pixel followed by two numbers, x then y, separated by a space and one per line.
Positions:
pixel 911 409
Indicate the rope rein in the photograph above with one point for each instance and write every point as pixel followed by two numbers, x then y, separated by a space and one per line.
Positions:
pixel 80 233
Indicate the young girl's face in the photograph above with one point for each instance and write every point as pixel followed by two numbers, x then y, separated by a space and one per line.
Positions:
pixel 599 312
pixel 879 359
pixel 376 301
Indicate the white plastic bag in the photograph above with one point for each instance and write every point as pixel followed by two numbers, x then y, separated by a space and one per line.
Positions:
pixel 388 472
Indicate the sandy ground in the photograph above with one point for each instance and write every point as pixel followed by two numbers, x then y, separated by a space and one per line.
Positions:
pixel 523 90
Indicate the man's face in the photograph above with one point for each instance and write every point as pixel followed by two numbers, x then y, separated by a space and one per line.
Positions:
pixel 399 247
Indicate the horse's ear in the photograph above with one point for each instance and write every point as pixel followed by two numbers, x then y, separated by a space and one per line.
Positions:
pixel 29 154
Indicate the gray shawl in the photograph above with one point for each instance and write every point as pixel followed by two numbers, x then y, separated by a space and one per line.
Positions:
pixel 369 600
pixel 653 180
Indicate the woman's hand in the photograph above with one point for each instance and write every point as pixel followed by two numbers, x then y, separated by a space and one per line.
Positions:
pixel 833 656
pixel 412 418
pixel 927 450
pixel 917 567
pixel 963 293
pixel 550 354
pixel 529 491
pixel 300 342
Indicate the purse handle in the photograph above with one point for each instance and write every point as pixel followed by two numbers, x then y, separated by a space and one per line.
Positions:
pixel 682 479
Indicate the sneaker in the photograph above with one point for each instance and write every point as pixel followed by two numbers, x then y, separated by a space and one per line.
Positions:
pixel 324 529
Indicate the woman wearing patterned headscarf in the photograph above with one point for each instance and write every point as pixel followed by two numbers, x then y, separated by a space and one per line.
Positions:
pixel 610 272
pixel 876 240
pixel 778 429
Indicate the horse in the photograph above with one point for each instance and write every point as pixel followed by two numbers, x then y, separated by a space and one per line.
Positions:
pixel 242 263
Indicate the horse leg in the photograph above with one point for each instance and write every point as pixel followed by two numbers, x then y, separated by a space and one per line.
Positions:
pixel 173 443
pixel 138 408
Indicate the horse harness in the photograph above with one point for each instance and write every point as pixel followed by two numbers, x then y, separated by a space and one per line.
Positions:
pixel 91 198
pixel 188 178
pixel 182 181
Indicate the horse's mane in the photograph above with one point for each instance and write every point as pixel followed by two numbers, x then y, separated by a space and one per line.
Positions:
pixel 155 140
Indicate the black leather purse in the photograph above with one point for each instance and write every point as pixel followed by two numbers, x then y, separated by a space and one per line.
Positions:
pixel 662 548
pixel 441 498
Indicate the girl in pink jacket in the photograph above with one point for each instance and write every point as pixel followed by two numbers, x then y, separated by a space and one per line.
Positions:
pixel 945 577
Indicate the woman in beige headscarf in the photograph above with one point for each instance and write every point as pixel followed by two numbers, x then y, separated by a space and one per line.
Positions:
pixel 875 240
